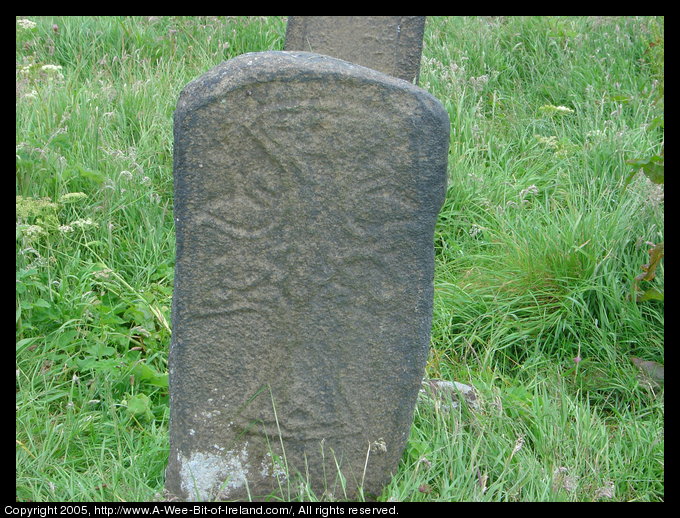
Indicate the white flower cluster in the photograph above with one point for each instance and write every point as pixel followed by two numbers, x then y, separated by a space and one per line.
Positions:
pixel 26 24
pixel 48 71
pixel 24 70
pixel 52 71
pixel 79 223
pixel 32 230
pixel 82 223
pixel 50 68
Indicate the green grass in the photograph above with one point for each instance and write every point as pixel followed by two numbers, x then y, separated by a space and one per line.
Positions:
pixel 537 247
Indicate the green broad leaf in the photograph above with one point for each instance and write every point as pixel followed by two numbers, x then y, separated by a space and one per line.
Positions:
pixel 419 448
pixel 621 98
pixel 26 273
pixel 139 406
pixel 93 176
pixel 657 122
pixel 100 350
pixel 62 141
pixel 23 344
pixel 41 303
pixel 66 339
pixel 86 364
pixel 652 167
pixel 650 294
pixel 146 374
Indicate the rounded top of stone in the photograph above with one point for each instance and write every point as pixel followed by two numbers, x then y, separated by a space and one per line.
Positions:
pixel 260 67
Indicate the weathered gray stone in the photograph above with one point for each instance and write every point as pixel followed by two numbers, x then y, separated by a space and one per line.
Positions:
pixel 306 194
pixel 390 44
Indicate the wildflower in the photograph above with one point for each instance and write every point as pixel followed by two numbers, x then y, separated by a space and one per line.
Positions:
pixel 139 330
pixel 103 274
pixel 455 68
pixel 30 250
pixel 52 71
pixel 531 190
pixel 518 445
pixel 605 492
pixel 31 95
pixel 82 223
pixel 24 70
pixel 32 230
pixel 478 83
pixel 595 134
pixel 562 480
pixel 482 480
pixel 50 68
pixel 578 358
pixel 25 23
pixel 65 228
pixel 474 230
pixel 550 142
pixel 126 174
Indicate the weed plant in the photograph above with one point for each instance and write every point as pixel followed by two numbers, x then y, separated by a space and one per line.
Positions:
pixel 537 249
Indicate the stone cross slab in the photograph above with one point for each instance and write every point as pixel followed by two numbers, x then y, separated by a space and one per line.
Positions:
pixel 306 194
pixel 390 44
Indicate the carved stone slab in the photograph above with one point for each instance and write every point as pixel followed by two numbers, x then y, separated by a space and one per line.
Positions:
pixel 390 44
pixel 306 194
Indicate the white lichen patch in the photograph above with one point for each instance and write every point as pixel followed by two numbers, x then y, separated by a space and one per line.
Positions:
pixel 272 468
pixel 379 446
pixel 208 414
pixel 203 475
